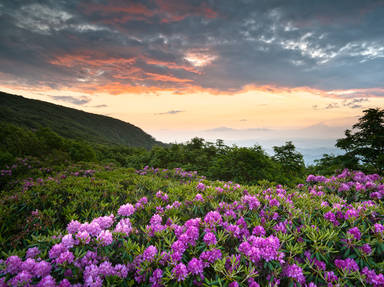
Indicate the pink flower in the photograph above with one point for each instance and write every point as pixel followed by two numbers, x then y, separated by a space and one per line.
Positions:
pixel 126 210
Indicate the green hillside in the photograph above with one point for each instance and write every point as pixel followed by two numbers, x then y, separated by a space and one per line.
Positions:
pixel 71 123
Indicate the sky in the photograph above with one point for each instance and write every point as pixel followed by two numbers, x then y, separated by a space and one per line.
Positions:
pixel 244 70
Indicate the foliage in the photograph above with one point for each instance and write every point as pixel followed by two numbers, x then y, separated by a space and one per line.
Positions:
pixel 101 225
pixel 71 123
pixel 291 161
pixel 329 164
pixel 217 161
pixel 367 142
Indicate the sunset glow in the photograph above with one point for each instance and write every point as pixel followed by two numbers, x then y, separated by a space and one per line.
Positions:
pixel 183 66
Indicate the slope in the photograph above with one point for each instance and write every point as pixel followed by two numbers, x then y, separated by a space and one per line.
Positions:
pixel 71 123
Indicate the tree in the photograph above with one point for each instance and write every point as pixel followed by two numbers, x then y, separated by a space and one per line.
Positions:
pixel 291 161
pixel 366 143
pixel 330 164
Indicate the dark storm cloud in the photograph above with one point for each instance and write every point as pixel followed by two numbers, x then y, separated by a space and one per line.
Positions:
pixel 220 45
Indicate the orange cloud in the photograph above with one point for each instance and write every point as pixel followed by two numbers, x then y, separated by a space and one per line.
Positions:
pixel 89 58
pixel 124 11
pixel 176 10
pixel 98 63
pixel 166 78
pixel 117 88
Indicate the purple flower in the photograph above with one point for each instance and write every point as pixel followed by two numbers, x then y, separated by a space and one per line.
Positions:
pixel 179 246
pixel 105 238
pixel 126 210
pixel 13 264
pixel 56 250
pixel 124 226
pixel 348 264
pixel 66 283
pixel 195 266
pixel 159 209
pixel 212 218
pixel 330 276
pixel 68 241
pixel 330 216
pixel 155 279
pixel 106 269
pixel 210 256
pixel 295 272
pixel 156 219
pixel 351 213
pixel 163 196
pixel 377 280
pixel 164 258
pixel 355 232
pixel 378 228
pixel 252 201
pixel 73 226
pixel 310 178
pixel 199 197
pixel 324 203
pixel 121 271
pixel 91 276
pixel 200 186
pixel 210 238
pixel 92 228
pixel 233 284
pixel 21 279
pixel 65 257
pixel 42 269
pixel 280 227
pixel 252 283
pixel 258 230
pixel 366 248
pixel 28 265
pixel 274 202
pixel 149 253
pixel 104 221
pixel 47 281
pixel 180 272
pixel 343 187
pixel 32 252
pixel 83 236
pixel 257 248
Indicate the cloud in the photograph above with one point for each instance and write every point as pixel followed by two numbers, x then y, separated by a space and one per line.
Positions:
pixel 332 106
pixel 97 106
pixel 72 100
pixel 161 11
pixel 231 130
pixel 171 112
pixel 354 103
pixel 100 106
pixel 215 46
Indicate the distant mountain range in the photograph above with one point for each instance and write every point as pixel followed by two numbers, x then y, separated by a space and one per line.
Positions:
pixel 71 123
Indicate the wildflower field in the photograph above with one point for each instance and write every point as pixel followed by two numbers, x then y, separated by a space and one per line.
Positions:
pixel 92 225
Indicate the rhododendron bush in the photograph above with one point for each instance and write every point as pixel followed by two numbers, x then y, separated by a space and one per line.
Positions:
pixel 177 228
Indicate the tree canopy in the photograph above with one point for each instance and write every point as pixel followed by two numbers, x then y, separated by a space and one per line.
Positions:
pixel 366 141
